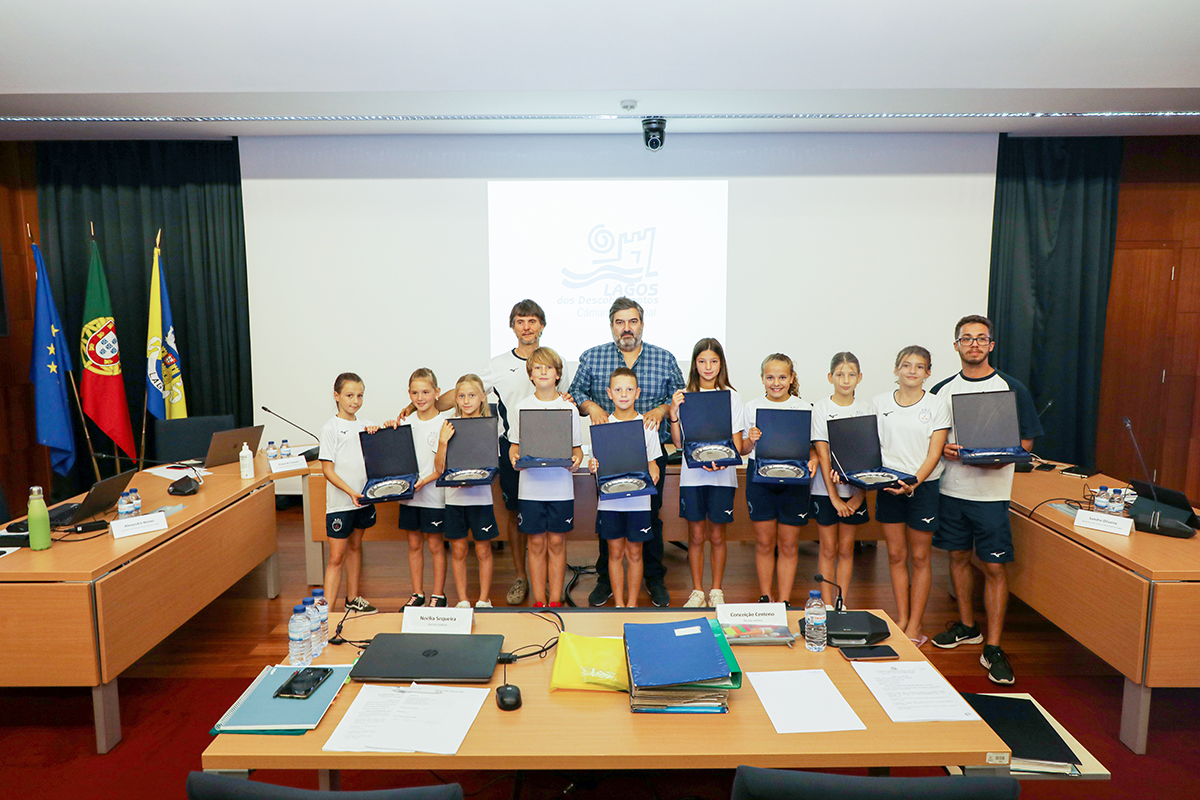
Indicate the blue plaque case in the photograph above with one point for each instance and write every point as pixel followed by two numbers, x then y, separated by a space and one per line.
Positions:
pixel 707 420
pixel 474 447
pixel 545 438
pixel 389 455
pixel 620 447
pixel 854 449
pixel 986 428
pixel 785 440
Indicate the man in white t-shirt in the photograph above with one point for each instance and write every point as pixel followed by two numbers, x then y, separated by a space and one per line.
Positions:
pixel 974 502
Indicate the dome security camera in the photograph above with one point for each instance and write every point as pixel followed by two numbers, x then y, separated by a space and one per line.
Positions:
pixel 654 131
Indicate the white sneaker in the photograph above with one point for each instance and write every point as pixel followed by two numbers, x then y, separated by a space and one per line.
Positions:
pixel 483 604
pixel 463 604
pixel 695 599
pixel 716 597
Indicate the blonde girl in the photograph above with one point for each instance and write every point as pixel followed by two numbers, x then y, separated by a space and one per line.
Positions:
pixel 424 514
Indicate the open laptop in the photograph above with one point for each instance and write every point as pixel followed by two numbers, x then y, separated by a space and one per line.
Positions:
pixel 101 497
pixel 225 445
pixel 440 657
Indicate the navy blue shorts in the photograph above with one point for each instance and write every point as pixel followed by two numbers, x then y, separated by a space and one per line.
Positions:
pixel 478 520
pixel 826 515
pixel 510 479
pixel 787 503
pixel 632 525
pixel 546 516
pixel 981 524
pixel 340 524
pixel 425 520
pixel 698 503
pixel 919 512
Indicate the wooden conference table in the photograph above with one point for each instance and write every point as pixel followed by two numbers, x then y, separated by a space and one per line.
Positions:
pixel 619 739
pixel 1131 600
pixel 81 612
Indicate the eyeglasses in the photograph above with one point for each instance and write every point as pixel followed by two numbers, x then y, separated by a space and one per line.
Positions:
pixel 967 341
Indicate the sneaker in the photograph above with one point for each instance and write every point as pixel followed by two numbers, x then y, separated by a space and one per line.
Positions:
pixel 996 663
pixel 463 604
pixel 695 599
pixel 360 606
pixel 659 595
pixel 517 592
pixel 600 595
pixel 956 633
pixel 483 604
pixel 762 598
pixel 437 600
pixel 414 600
pixel 716 598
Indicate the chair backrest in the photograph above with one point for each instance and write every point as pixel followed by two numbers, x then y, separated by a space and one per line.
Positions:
pixel 181 439
pixel 207 786
pixel 755 783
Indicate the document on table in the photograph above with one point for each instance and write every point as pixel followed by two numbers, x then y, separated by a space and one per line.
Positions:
pixel 174 473
pixel 804 701
pixel 408 719
pixel 913 691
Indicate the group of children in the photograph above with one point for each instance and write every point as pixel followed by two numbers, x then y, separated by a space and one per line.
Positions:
pixel 913 426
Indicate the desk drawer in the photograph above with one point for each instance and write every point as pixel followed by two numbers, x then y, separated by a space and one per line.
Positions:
pixel 48 634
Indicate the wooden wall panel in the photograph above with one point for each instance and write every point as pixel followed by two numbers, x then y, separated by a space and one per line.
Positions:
pixel 1150 213
pixel 1189 280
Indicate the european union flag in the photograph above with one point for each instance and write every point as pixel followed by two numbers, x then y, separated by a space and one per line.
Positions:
pixel 49 371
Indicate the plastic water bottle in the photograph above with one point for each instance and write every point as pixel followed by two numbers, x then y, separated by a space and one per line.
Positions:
pixel 39 520
pixel 299 638
pixel 322 606
pixel 124 506
pixel 135 503
pixel 285 450
pixel 1100 500
pixel 314 626
pixel 1116 502
pixel 272 451
pixel 814 622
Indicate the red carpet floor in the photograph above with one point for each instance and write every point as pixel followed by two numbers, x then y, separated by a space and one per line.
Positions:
pixel 47 742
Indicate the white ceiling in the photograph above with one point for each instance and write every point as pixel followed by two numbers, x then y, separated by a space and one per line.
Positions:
pixel 564 67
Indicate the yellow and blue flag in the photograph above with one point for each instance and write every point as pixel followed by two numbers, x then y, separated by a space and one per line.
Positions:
pixel 165 398
pixel 48 371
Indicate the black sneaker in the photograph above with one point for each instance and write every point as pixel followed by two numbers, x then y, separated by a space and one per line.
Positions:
pixel 360 606
pixel 415 600
pixel 996 663
pixel 600 595
pixel 762 598
pixel 437 601
pixel 659 595
pixel 956 633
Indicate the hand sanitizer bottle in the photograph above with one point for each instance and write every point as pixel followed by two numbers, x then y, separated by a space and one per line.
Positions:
pixel 246 462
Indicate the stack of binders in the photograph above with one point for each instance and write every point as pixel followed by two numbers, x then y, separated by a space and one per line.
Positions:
pixel 681 667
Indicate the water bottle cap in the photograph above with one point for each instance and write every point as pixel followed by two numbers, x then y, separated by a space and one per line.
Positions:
pixel 35 491
pixel 125 494
pixel 1104 488
pixel 318 592
pixel 814 593
pixel 298 609
pixel 308 601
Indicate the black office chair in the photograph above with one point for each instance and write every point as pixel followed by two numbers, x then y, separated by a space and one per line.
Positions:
pixel 181 439
pixel 208 786
pixel 755 783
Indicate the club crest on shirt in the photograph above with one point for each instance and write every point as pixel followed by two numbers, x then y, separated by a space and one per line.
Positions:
pixel 925 415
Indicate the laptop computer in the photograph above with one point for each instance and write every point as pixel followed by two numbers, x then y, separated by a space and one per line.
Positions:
pixel 225 445
pixel 101 497
pixel 440 657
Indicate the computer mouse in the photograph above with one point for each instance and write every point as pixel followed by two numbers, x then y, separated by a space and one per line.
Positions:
pixel 508 697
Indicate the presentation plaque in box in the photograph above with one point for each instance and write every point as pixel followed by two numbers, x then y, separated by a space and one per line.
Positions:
pixel 854 449
pixel 545 438
pixel 781 453
pixel 391 461
pixel 707 423
pixel 985 427
pixel 472 454
pixel 624 471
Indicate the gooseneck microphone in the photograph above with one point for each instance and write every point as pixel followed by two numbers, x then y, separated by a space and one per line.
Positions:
pixel 837 605
pixel 288 421
pixel 1154 521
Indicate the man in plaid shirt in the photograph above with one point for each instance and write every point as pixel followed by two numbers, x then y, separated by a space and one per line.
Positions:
pixel 659 378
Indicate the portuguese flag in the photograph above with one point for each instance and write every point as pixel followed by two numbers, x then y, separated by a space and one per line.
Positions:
pixel 103 387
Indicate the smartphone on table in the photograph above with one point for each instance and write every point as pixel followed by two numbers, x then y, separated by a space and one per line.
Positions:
pixel 303 682
pixel 877 652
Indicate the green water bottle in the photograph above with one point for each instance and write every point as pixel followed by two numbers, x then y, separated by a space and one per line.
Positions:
pixel 39 520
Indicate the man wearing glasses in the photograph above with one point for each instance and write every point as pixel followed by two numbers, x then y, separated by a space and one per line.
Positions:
pixel 974 502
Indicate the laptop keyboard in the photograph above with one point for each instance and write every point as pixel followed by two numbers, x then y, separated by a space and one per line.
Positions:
pixel 59 515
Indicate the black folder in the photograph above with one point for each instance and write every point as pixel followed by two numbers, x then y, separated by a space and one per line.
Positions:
pixel 1023 728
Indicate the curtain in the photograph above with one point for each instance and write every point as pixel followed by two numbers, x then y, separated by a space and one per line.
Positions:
pixel 1053 237
pixel 130 190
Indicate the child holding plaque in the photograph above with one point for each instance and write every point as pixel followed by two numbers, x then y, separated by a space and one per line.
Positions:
pixel 706 494
pixel 468 508
pixel 838 512
pixel 546 494
pixel 625 522
pixel 424 514
pixel 913 426
pixel 777 510
pixel 345 475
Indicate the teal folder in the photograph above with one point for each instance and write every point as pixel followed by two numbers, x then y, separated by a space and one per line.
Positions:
pixel 259 711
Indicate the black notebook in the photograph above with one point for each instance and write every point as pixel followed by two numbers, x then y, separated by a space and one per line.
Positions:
pixel 1023 728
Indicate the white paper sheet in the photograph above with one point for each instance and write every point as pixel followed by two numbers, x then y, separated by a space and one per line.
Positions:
pixel 804 701
pixel 175 473
pixel 408 719
pixel 913 691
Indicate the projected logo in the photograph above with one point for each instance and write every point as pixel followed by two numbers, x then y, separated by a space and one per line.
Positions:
pixel 621 264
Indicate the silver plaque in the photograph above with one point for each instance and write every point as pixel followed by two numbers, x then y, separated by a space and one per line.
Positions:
pixel 466 475
pixel 875 477
pixel 388 488
pixel 619 485
pixel 712 452
pixel 781 471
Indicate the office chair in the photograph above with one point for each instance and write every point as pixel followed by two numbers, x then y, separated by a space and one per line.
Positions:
pixel 208 786
pixel 755 783
pixel 181 439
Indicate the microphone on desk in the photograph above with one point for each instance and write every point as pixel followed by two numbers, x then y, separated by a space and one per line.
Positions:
pixel 1154 521
pixel 838 604
pixel 309 454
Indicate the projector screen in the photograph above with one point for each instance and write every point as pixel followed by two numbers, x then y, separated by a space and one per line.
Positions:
pixel 379 255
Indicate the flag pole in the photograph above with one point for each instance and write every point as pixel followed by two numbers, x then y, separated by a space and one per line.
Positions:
pixel 86 433
pixel 145 410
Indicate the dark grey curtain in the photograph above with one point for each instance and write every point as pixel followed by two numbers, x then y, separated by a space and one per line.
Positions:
pixel 1053 237
pixel 192 191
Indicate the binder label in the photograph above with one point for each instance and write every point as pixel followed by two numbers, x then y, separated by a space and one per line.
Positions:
pixel 687 631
